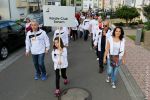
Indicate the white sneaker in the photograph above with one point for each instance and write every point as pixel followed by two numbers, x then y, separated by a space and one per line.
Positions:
pixel 108 79
pixel 97 59
pixel 113 85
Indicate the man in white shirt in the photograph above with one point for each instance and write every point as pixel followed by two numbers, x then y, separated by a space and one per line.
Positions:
pixel 74 30
pixel 86 24
pixel 37 42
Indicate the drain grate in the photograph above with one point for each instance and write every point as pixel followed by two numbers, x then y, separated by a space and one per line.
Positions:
pixel 75 94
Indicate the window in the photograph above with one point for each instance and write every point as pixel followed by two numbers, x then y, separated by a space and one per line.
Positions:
pixel 4 30
pixel 51 3
pixel 78 4
pixel 16 27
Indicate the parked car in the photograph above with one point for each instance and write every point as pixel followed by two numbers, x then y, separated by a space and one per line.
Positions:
pixel 39 18
pixel 12 36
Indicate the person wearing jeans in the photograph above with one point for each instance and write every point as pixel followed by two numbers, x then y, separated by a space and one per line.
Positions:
pixel 115 46
pixel 112 72
pixel 37 42
pixel 38 61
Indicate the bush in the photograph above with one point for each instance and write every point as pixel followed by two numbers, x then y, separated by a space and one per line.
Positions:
pixel 142 37
pixel 147 25
pixel 120 24
pixel 132 37
pixel 140 21
pixel 133 23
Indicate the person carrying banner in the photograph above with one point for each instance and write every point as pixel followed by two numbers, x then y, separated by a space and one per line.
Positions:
pixel 59 57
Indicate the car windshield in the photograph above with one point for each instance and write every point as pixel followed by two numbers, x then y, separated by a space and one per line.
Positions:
pixel 36 16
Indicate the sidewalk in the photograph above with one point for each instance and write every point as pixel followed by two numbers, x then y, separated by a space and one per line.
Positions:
pixel 138 64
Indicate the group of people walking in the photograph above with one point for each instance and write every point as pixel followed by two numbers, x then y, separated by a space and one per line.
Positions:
pixel 108 43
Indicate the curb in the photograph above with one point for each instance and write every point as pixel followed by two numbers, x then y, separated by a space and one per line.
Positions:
pixel 133 89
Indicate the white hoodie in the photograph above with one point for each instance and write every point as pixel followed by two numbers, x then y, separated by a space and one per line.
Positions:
pixel 63 58
pixel 37 42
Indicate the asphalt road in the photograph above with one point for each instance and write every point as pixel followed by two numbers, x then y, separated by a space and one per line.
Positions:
pixel 17 80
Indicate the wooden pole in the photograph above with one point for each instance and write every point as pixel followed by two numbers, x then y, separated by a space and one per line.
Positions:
pixel 59 52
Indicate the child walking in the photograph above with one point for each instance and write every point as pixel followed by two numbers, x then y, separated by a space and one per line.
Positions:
pixel 59 57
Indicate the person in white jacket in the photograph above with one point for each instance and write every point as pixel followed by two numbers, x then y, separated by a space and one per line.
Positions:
pixel 115 48
pixel 59 57
pixel 37 42
pixel 101 37
pixel 63 31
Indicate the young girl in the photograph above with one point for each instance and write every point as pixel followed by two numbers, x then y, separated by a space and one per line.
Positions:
pixel 59 57
pixel 115 48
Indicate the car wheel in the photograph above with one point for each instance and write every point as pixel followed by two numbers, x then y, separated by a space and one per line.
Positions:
pixel 3 52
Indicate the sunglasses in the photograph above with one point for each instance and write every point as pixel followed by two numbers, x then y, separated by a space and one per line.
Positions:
pixel 105 25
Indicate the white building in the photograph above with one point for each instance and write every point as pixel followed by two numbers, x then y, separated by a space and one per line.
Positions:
pixel 53 2
pixel 9 10
pixel 87 4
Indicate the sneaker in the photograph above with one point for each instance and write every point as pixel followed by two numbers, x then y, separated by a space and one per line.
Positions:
pixel 108 79
pixel 37 76
pixel 97 58
pixel 57 92
pixel 66 81
pixel 113 85
pixel 43 77
pixel 101 70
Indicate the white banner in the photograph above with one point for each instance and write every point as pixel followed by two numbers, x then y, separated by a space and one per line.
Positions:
pixel 59 16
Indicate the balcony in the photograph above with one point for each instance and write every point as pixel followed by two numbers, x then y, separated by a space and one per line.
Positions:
pixel 21 4
pixel 33 1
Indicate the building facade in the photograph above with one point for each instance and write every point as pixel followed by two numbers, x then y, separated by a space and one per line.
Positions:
pixel 12 9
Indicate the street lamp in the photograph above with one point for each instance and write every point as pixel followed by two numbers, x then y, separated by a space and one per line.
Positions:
pixel 38 5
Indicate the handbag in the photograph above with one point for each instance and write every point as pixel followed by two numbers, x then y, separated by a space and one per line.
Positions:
pixel 114 59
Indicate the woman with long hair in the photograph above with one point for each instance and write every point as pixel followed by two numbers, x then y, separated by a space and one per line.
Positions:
pixel 115 53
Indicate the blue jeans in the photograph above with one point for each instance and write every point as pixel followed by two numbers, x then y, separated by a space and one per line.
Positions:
pixel 112 71
pixel 38 61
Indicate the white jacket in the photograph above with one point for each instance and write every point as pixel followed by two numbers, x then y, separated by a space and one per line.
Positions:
pixel 63 57
pixel 98 37
pixel 122 47
pixel 37 42
pixel 63 35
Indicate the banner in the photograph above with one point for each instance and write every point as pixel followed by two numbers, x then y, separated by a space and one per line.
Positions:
pixel 59 16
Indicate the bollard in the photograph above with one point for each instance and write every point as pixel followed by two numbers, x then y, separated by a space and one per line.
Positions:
pixel 138 37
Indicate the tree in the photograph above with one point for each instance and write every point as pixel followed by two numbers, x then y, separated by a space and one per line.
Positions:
pixel 147 11
pixel 147 14
pixel 127 13
pixel 63 2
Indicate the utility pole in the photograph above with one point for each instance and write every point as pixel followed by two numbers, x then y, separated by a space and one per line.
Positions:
pixel 9 9
pixel 134 3
pixel 38 5
pixel 103 4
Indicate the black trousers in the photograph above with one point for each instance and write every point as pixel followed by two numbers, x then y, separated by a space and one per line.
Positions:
pixel 97 52
pixel 101 56
pixel 81 34
pixel 86 33
pixel 63 74
pixel 75 34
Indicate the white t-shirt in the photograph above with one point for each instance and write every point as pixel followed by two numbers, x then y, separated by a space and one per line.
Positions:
pixel 116 48
pixel 86 24
pixel 94 24
pixel 76 24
